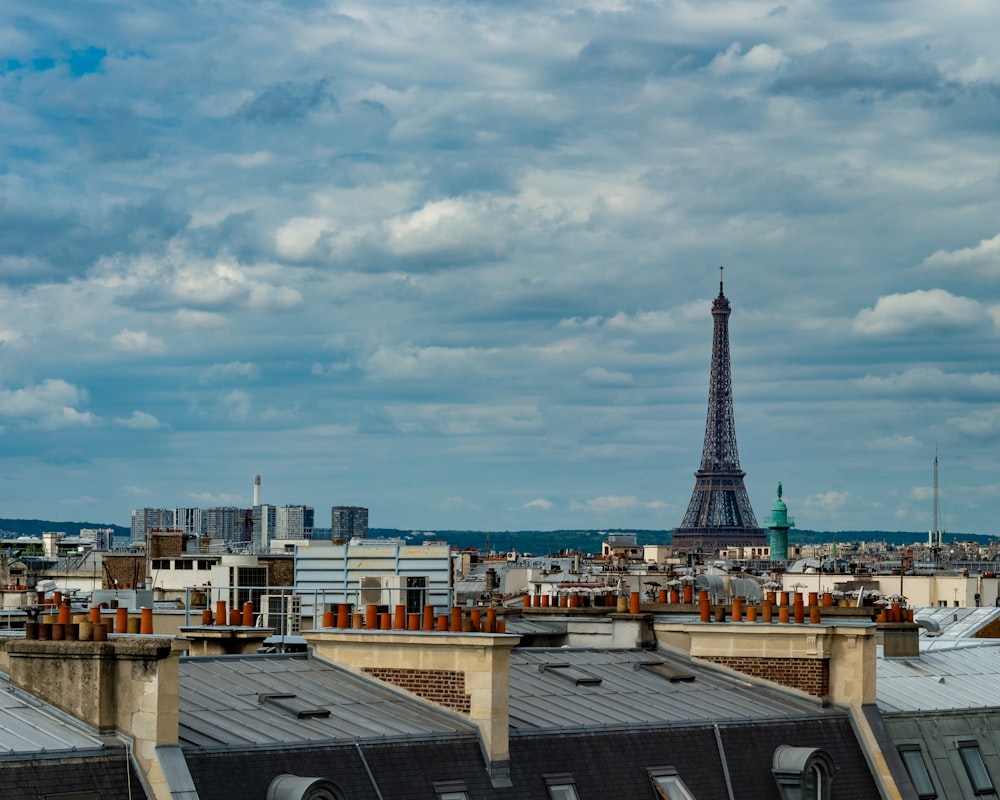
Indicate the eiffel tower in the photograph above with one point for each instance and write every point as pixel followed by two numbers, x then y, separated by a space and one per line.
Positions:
pixel 719 514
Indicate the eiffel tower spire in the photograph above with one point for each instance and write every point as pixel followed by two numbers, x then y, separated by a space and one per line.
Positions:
pixel 719 514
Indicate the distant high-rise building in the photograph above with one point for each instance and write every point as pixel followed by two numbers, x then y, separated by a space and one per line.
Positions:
pixel 348 522
pixel 719 514
pixel 294 522
pixel 189 520
pixel 145 519
pixel 224 522
pixel 264 526
pixel 103 538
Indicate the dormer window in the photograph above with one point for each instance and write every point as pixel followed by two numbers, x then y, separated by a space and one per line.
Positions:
pixel 975 768
pixel 668 784
pixel 561 786
pixel 451 790
pixel 802 773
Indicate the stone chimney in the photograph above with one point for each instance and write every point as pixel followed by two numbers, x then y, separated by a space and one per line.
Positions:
pixel 125 685
pixel 465 674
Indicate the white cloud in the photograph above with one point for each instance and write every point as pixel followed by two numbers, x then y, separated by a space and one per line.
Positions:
pixel 129 341
pixel 208 500
pixel 607 504
pixel 983 259
pixel 139 420
pixel 80 500
pixel 758 59
pixel 541 503
pixel 237 405
pixel 189 319
pixel 932 309
pixel 447 227
pixel 49 405
pixel 826 502
pixel 408 361
pixel 931 381
pixel 296 240
pixel 230 371
pixel 980 424
pixel 599 376
pixel 896 442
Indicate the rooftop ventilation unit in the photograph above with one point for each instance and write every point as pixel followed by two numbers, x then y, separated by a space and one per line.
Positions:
pixel 283 612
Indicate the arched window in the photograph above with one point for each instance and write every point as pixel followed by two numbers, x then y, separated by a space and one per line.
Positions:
pixel 802 773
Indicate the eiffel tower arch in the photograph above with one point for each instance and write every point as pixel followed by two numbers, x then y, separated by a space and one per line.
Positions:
pixel 719 514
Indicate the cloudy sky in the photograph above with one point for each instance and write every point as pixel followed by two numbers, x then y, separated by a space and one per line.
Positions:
pixel 454 261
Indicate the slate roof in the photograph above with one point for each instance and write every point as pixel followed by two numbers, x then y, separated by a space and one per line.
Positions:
pixel 554 689
pixel 270 701
pixel 44 751
pixel 31 728
pixel 611 763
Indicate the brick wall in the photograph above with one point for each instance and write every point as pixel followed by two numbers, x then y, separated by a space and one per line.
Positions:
pixel 280 571
pixel 126 569
pixel 989 631
pixel 166 545
pixel 810 675
pixel 444 687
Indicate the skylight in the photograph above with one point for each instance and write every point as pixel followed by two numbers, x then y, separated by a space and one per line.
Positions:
pixel 571 673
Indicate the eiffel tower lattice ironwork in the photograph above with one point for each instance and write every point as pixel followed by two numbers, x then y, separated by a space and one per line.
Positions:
pixel 719 514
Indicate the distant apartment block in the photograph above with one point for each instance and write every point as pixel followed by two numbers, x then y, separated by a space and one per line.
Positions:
pixel 189 520
pixel 225 523
pixel 102 538
pixel 348 522
pixel 145 519
pixel 264 526
pixel 294 522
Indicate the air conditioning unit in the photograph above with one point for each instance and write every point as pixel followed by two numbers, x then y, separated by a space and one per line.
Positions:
pixel 393 590
pixel 283 612
pixel 371 592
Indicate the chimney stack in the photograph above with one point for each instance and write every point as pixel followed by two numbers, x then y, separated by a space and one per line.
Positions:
pixel 256 490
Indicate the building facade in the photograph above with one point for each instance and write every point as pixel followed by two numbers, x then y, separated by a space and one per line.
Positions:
pixel 348 522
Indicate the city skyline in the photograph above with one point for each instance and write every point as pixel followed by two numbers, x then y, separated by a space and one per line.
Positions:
pixel 455 262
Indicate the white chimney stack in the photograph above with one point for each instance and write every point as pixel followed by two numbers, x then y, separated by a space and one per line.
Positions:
pixel 256 490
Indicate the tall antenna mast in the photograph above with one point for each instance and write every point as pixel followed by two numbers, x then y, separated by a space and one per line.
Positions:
pixel 936 495
pixel 935 538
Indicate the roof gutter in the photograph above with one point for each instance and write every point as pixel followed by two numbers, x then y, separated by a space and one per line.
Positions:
pixel 368 769
pixel 722 758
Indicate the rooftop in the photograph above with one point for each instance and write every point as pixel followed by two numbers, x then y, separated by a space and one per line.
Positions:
pixel 249 701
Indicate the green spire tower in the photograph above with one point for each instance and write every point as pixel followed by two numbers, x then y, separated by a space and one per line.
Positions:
pixel 777 528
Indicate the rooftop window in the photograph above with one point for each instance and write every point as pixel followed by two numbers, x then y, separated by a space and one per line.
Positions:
pixel 979 776
pixel 561 786
pixel 571 674
pixel 664 671
pixel 802 773
pixel 916 767
pixel 451 790
pixel 668 784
